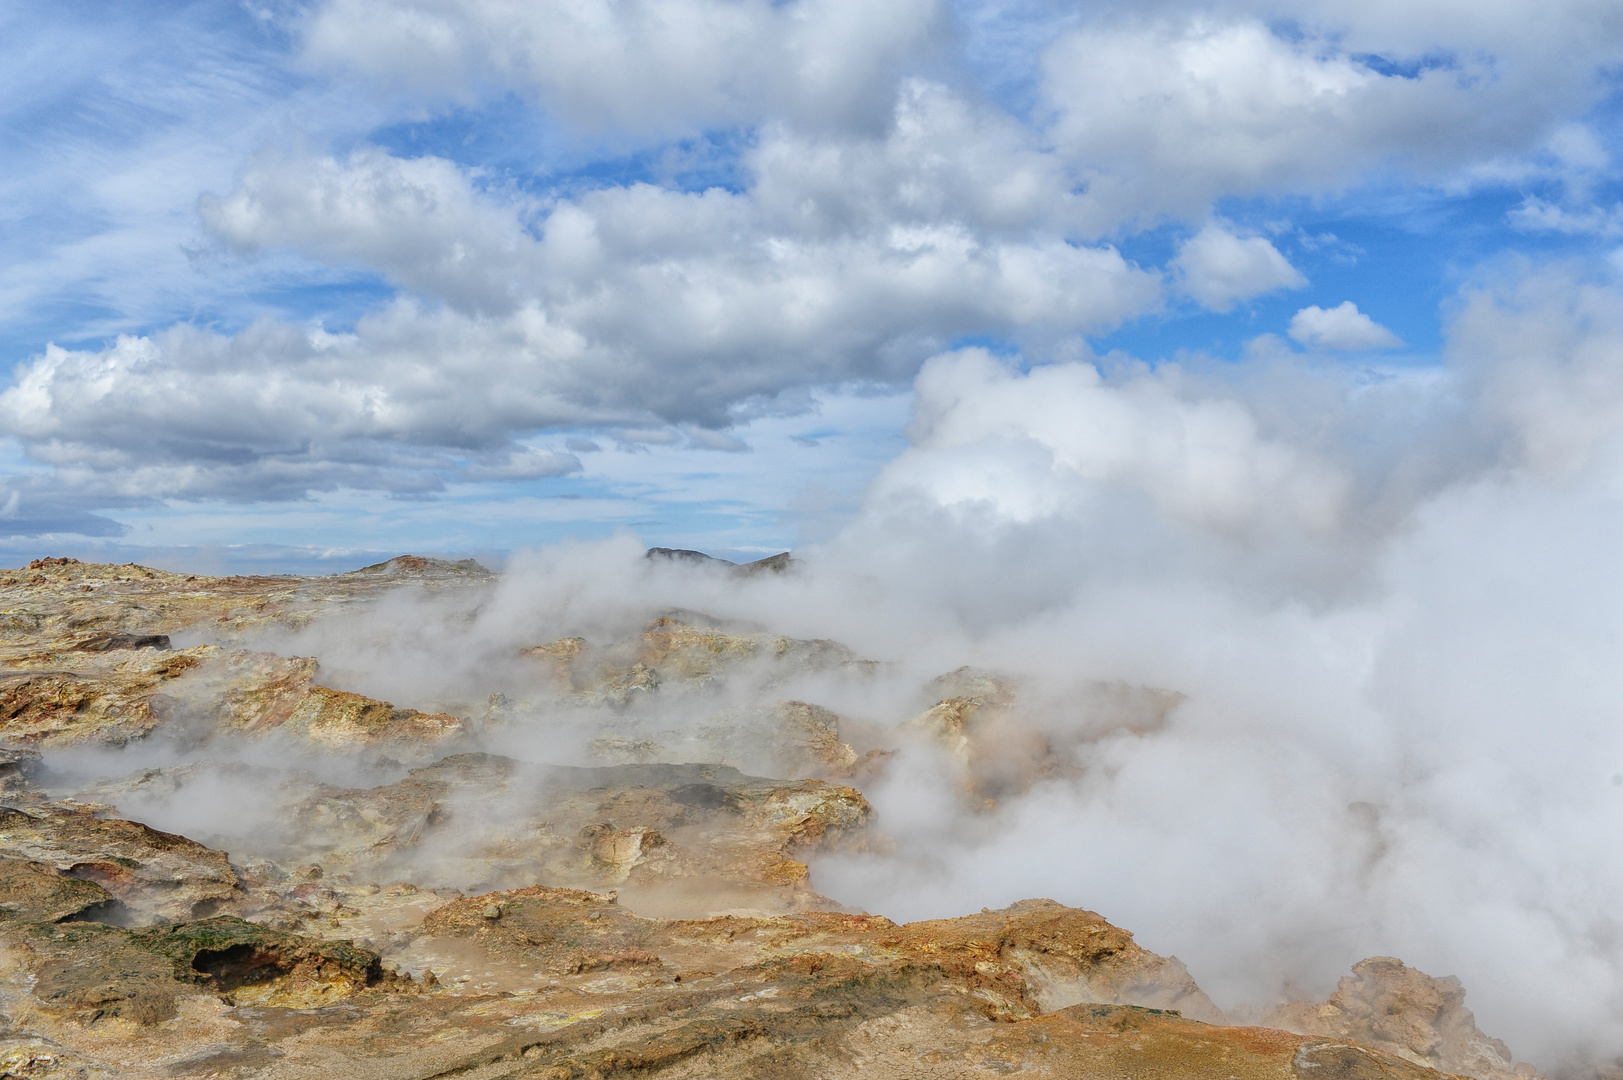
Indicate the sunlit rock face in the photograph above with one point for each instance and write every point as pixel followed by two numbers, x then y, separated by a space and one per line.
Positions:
pixel 212 862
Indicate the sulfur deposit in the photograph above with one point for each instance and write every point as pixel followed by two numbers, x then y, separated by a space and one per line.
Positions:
pixel 603 867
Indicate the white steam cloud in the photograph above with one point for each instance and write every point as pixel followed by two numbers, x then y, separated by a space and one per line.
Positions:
pixel 1400 732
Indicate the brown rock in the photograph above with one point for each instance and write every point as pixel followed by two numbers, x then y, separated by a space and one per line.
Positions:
pixel 787 738
pixel 684 652
pixel 204 692
pixel 155 875
pixel 719 961
pixel 1004 743
pixel 835 995
pixel 19 769
pixel 61 603
pixel 708 835
pixel 38 1058
pixel 420 566
pixel 32 892
pixel 91 971
pixel 61 708
pixel 1405 1012
pixel 1034 957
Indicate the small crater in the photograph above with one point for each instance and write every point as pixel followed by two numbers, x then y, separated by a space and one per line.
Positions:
pixel 240 965
pixel 109 642
pixel 701 797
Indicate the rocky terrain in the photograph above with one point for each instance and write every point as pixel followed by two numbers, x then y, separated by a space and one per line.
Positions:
pixel 598 869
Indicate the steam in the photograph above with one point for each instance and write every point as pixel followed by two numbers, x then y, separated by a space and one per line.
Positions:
pixel 1391 602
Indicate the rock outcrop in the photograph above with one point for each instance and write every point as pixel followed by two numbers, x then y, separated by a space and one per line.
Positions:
pixel 692 837
pixel 85 972
pixel 1004 741
pixel 684 652
pixel 772 564
pixel 203 692
pixel 154 876
pixel 56 604
pixel 1405 1012
pixel 1032 958
pixel 553 982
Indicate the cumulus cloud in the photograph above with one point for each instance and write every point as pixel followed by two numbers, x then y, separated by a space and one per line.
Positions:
pixel 420 220
pixel 1201 105
pixel 880 197
pixel 664 66
pixel 32 504
pixel 632 305
pixel 276 412
pixel 945 158
pixel 623 306
pixel 1163 113
pixel 1173 110
pixel 1220 269
pixel 1342 327
pixel 528 463
pixel 1200 460
pixel 1540 215
pixel 952 198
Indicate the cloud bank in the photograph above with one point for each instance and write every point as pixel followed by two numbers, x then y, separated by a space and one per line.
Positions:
pixel 703 209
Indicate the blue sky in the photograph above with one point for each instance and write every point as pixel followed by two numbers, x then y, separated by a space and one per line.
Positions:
pixel 349 277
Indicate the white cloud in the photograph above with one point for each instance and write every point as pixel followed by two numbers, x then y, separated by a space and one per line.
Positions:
pixel 1537 215
pixel 945 158
pixel 910 227
pixel 528 463
pixel 1220 269
pixel 622 306
pixel 1577 149
pixel 1171 111
pixel 1183 110
pixel 873 203
pixel 1342 327
pixel 701 439
pixel 1027 447
pixel 406 404
pixel 420 220
pixel 1164 113
pixel 664 66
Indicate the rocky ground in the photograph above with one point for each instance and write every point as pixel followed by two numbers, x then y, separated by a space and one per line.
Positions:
pixel 370 890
